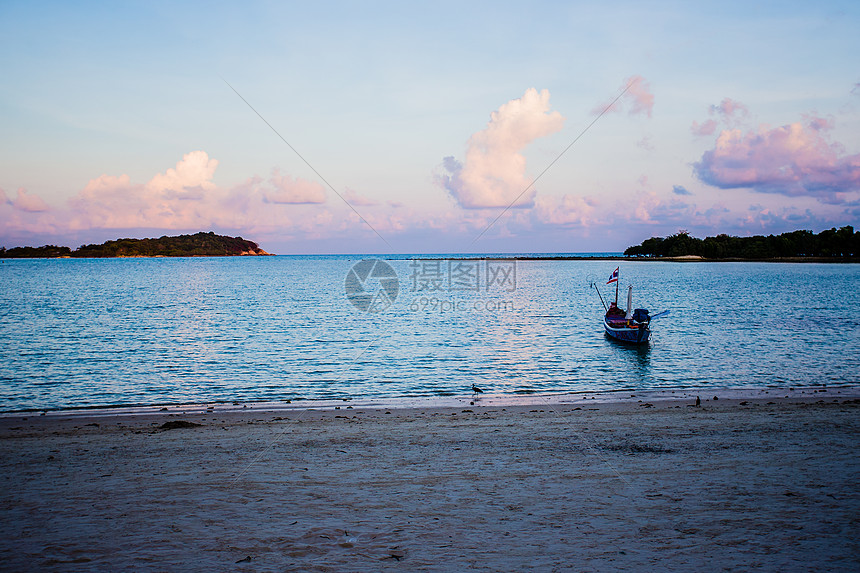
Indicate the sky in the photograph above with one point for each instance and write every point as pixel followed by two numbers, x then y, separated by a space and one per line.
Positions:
pixel 438 127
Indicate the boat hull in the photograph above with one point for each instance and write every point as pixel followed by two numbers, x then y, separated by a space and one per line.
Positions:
pixel 639 335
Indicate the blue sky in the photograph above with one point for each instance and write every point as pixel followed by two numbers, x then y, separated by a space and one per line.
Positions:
pixel 116 121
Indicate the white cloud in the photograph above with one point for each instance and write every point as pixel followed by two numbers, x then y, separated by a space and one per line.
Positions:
pixel 191 177
pixel 184 198
pixel 493 173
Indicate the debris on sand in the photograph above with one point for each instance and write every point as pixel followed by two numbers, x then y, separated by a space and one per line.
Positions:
pixel 176 424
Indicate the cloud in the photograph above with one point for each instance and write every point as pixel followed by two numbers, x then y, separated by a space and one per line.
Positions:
pixel 649 208
pixel 175 199
pixel 26 202
pixel 355 199
pixel 759 218
pixel 729 112
pixel 792 160
pixel 567 210
pixel 493 173
pixel 191 177
pixel 294 191
pixel 706 128
pixel 638 99
pixel 186 198
pixel 680 190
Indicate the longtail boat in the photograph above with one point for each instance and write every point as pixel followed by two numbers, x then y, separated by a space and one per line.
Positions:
pixel 631 325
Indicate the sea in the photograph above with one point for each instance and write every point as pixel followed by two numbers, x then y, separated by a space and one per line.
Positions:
pixel 78 333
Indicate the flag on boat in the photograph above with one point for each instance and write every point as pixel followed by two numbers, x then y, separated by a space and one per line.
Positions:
pixel 613 278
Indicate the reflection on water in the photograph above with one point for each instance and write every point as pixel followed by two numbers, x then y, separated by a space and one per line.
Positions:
pixel 636 357
pixel 124 331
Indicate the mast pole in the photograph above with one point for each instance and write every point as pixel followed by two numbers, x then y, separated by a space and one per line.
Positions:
pixel 601 297
pixel 617 280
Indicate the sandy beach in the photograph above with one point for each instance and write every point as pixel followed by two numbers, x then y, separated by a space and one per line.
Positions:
pixel 650 482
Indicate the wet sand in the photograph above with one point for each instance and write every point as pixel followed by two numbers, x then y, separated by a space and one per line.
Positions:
pixel 649 483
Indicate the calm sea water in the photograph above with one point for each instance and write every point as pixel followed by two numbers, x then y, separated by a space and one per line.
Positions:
pixel 150 331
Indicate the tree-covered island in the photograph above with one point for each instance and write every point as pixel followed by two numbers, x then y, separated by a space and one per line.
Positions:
pixel 197 245
pixel 842 243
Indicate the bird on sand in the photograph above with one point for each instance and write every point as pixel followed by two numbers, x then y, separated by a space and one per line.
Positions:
pixel 475 392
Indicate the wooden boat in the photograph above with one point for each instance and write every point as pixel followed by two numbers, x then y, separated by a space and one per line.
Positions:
pixel 634 328
pixel 633 325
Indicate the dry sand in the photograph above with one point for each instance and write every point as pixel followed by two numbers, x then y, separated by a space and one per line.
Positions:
pixel 736 484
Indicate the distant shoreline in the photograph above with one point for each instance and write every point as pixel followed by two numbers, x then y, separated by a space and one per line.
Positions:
pixel 681 259
pixel 505 257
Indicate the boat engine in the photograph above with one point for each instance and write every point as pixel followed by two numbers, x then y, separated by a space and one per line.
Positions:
pixel 641 315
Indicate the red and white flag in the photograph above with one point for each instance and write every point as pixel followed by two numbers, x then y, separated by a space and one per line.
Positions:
pixel 613 278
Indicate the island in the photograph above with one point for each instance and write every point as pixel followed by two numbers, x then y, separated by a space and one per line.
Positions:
pixel 832 244
pixel 197 245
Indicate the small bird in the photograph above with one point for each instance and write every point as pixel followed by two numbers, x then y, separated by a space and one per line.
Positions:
pixel 475 392
pixel 698 401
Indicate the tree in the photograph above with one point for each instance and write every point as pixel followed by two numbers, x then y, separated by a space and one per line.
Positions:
pixel 844 242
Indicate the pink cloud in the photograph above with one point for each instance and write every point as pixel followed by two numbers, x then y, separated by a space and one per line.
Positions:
pixel 792 160
pixel 493 173
pixel 185 197
pixel 706 128
pixel 730 112
pixel 30 203
pixel 182 198
pixel 638 98
pixel 730 109
pixel 650 208
pixel 567 210
pixel 355 199
pixel 170 200
pixel 294 191
pixel 174 199
pixel 819 123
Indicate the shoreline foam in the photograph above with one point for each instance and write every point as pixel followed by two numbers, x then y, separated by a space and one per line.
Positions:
pixel 621 396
